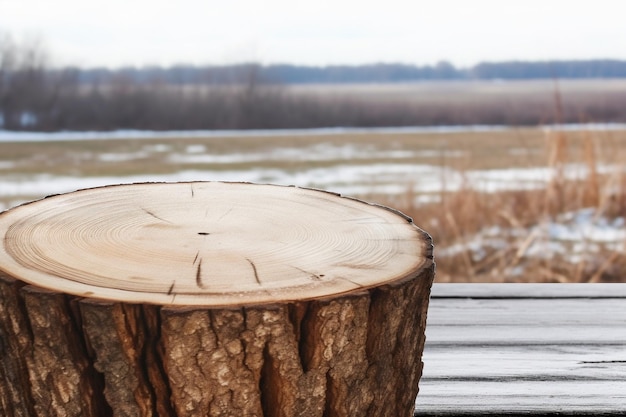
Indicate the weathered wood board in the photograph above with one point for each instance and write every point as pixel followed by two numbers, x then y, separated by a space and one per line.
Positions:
pixel 520 349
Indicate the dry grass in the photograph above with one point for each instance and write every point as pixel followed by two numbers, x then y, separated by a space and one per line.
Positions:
pixel 520 217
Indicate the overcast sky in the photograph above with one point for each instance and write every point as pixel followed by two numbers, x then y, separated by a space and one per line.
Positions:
pixel 317 32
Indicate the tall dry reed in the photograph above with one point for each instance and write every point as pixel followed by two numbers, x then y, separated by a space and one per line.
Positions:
pixel 494 236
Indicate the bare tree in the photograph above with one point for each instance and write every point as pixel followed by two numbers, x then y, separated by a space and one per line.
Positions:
pixel 29 90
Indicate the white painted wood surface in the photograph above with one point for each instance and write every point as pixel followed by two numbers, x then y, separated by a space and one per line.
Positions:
pixel 520 349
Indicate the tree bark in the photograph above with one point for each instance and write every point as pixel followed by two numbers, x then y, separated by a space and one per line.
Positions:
pixel 211 299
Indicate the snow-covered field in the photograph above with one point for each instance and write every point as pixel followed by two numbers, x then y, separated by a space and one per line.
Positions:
pixel 358 169
pixel 364 170
pixel 11 136
pixel 344 173
pixel 361 180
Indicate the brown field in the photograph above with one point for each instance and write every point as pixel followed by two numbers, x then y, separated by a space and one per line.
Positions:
pixel 464 220
pixel 497 149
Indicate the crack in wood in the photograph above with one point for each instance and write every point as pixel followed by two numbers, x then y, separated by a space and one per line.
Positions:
pixel 196 258
pixel 192 192
pixel 171 289
pixel 151 362
pixel 199 282
pixel 358 285
pixel 256 273
pixel 225 214
pixel 155 216
pixel 311 275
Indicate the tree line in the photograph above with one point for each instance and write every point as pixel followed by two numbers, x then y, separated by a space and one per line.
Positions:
pixel 371 73
pixel 36 96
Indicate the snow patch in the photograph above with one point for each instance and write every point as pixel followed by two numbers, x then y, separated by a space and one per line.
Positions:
pixel 577 235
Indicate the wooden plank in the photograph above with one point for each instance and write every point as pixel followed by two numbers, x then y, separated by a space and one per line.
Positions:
pixel 524 290
pixel 548 353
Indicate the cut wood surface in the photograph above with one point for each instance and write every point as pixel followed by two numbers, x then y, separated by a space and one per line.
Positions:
pixel 211 299
pixel 525 349
pixel 208 244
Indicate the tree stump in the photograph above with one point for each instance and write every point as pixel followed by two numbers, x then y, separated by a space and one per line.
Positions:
pixel 210 299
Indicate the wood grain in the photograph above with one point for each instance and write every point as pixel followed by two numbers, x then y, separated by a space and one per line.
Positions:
pixel 525 349
pixel 207 244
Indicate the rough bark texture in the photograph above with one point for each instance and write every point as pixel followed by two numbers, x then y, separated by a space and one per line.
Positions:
pixel 356 355
pixel 352 353
pixel 15 347
pixel 46 370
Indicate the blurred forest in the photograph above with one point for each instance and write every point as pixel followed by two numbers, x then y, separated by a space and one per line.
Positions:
pixel 36 96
